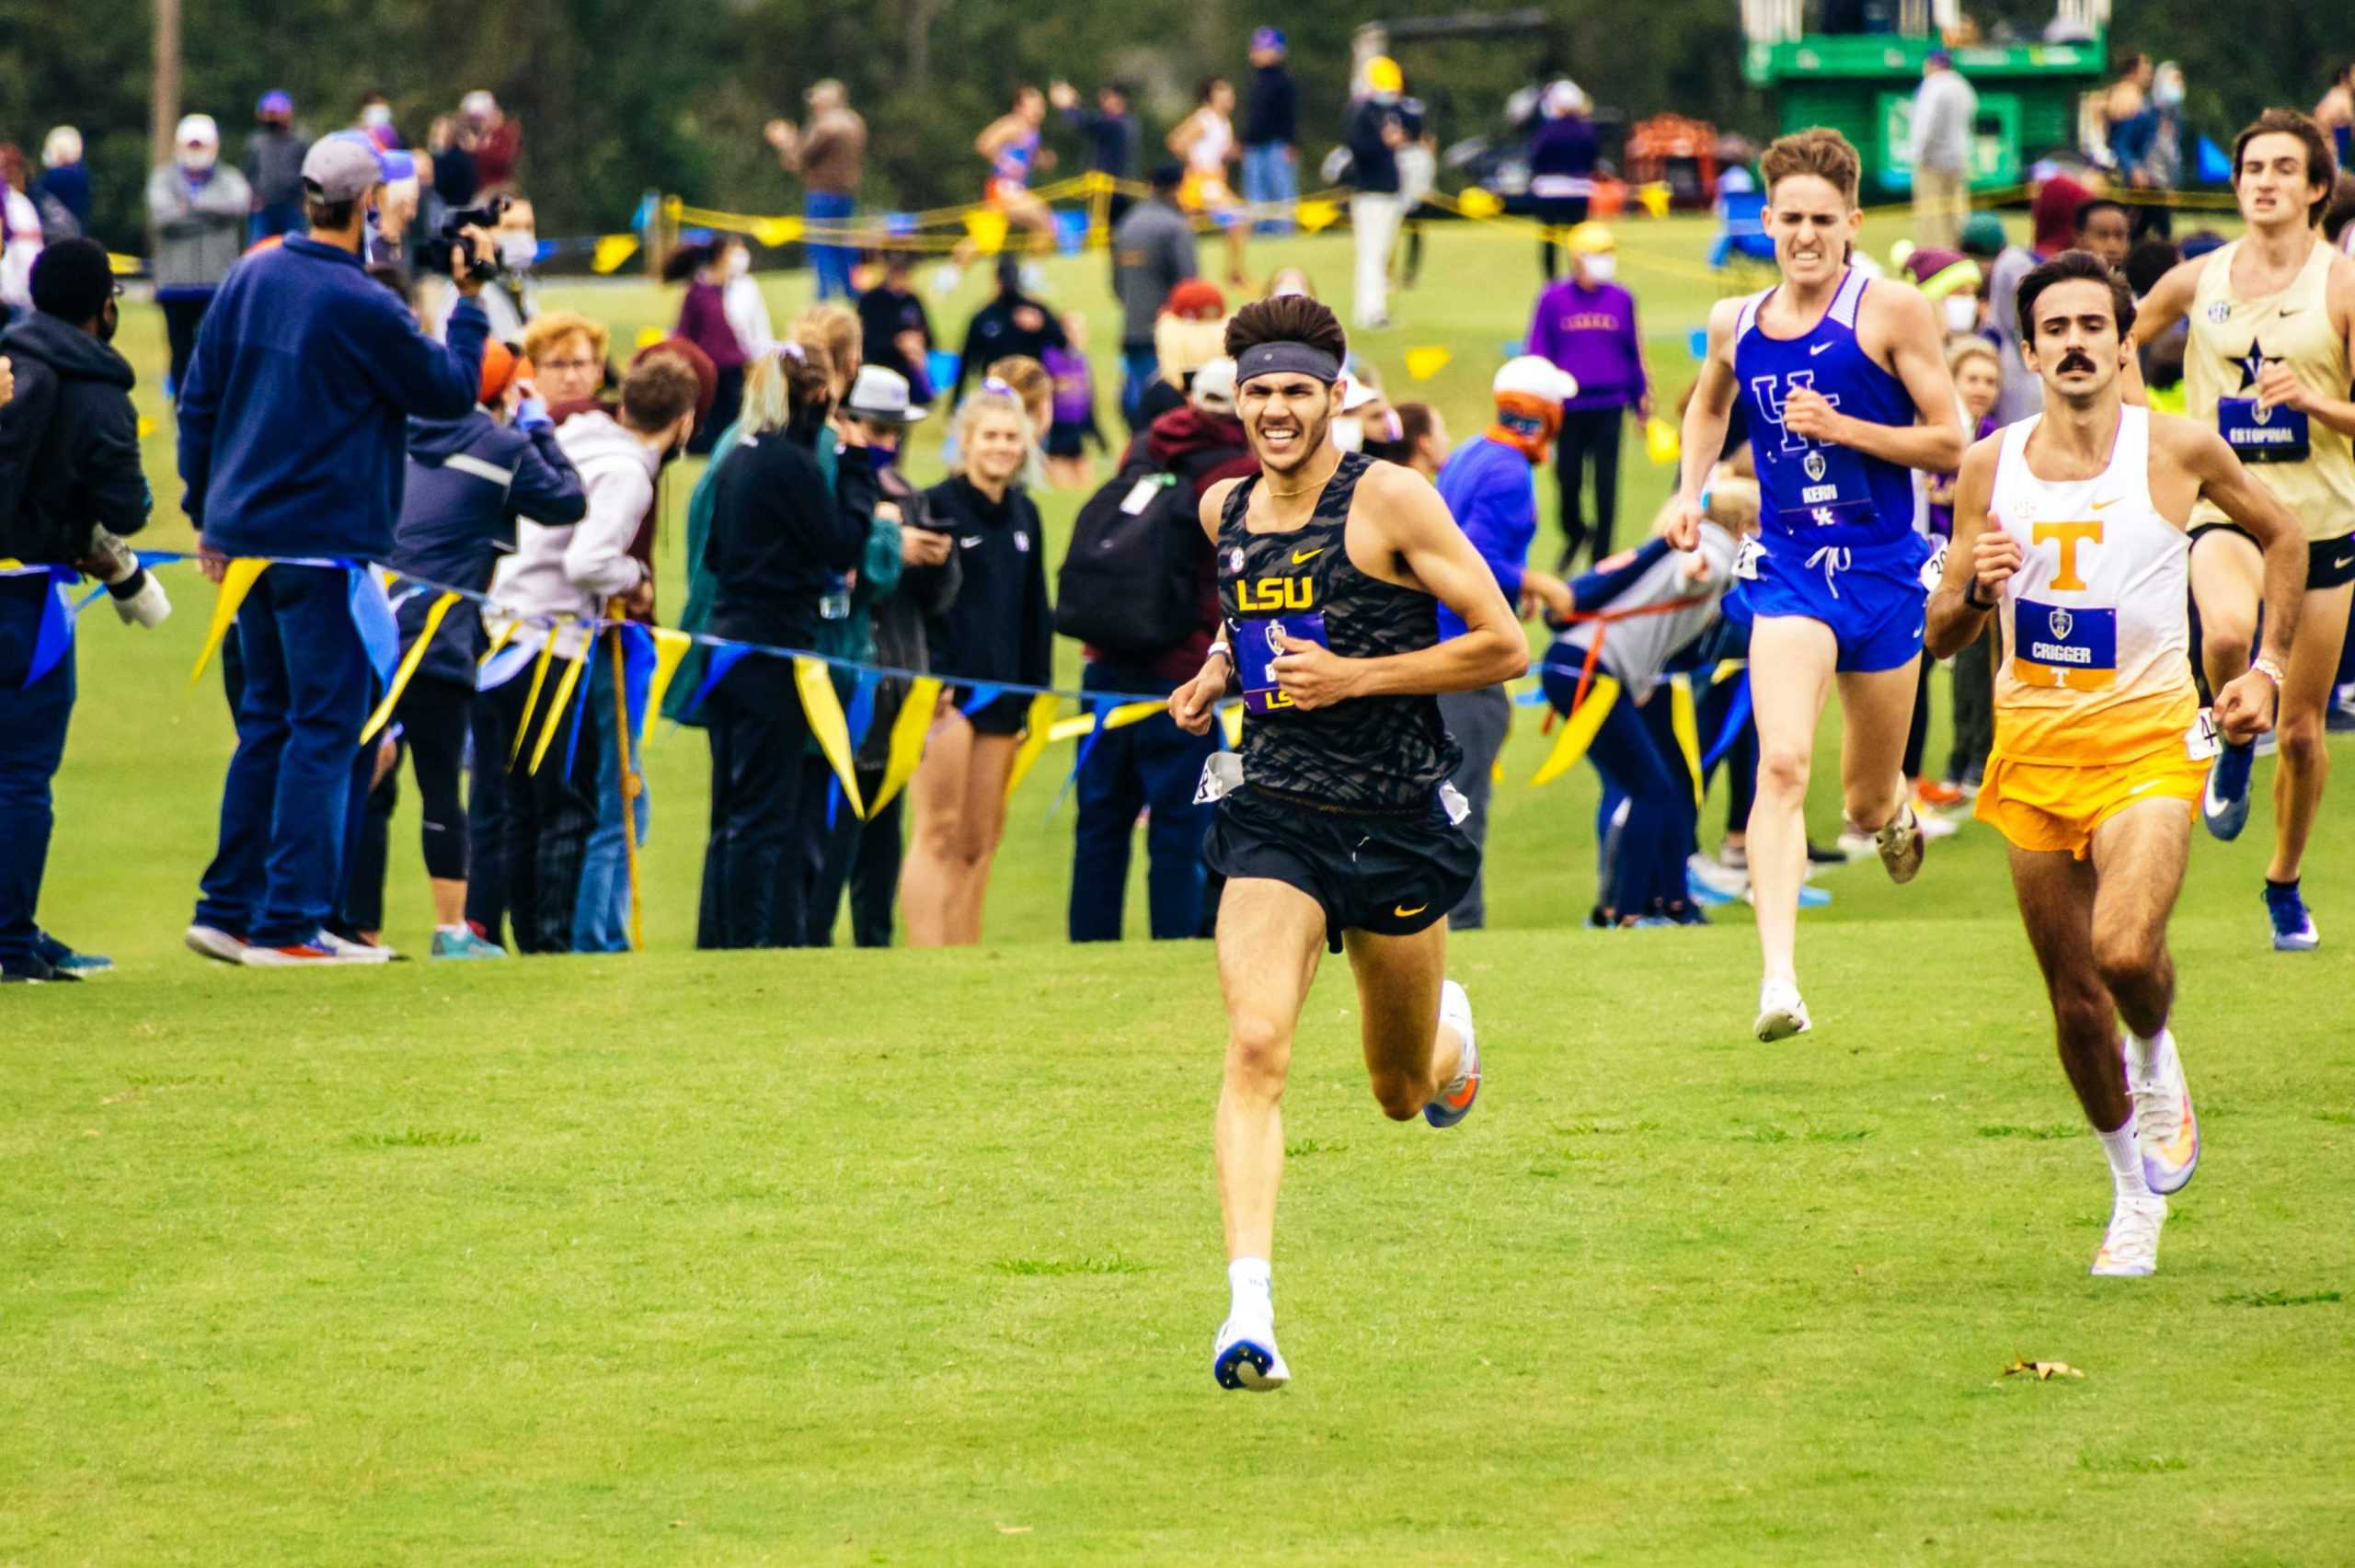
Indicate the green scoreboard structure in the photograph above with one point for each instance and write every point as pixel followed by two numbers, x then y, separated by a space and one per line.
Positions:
pixel 1862 85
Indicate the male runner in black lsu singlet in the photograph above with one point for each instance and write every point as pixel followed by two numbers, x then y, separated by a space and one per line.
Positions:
pixel 1338 829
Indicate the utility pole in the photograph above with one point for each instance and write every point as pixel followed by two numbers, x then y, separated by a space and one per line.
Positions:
pixel 164 105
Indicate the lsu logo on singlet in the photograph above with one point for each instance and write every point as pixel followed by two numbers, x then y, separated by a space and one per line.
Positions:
pixel 1273 596
pixel 2059 645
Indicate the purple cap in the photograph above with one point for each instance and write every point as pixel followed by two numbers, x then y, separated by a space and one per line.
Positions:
pixel 1940 57
pixel 276 101
pixel 1268 38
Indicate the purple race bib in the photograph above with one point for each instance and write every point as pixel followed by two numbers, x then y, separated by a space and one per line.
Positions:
pixel 1256 647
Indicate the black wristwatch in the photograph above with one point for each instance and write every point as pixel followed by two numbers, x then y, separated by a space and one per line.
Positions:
pixel 1971 597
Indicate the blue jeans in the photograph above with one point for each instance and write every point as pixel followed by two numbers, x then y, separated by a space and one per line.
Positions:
pixel 33 743
pixel 601 910
pixel 299 777
pixel 1152 765
pixel 831 262
pixel 1270 173
pixel 1139 365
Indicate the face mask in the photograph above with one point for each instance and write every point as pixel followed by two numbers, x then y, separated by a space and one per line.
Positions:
pixel 740 262
pixel 517 251
pixel 376 116
pixel 1600 268
pixel 2167 91
pixel 199 160
pixel 1961 311
pixel 1349 432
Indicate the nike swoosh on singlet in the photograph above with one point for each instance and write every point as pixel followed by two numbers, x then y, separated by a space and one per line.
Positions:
pixel 1817 349
pixel 969 542
pixel 2292 309
pixel 2110 502
pixel 1299 557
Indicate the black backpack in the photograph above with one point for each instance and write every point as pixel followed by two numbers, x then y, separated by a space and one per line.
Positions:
pixel 25 535
pixel 1129 582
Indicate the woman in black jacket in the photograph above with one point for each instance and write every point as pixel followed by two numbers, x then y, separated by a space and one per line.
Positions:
pixel 1000 629
pixel 778 541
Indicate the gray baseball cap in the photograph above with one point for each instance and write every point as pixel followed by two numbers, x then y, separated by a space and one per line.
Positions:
pixel 881 394
pixel 341 168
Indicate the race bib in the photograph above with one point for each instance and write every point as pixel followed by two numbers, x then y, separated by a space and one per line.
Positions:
pixel 1934 570
pixel 1222 776
pixel 1259 643
pixel 2201 742
pixel 1746 559
pixel 2274 434
pixel 2057 645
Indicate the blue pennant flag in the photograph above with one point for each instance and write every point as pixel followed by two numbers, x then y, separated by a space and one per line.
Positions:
pixel 723 659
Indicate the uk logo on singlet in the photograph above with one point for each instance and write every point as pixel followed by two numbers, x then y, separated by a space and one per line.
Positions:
pixel 1821 503
pixel 1771 392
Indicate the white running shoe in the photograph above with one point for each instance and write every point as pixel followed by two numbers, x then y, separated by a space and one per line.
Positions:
pixel 211 942
pixel 1937 827
pixel 2130 1250
pixel 2167 1129
pixel 1781 1013
pixel 1454 1100
pixel 356 952
pixel 1247 1358
pixel 1901 844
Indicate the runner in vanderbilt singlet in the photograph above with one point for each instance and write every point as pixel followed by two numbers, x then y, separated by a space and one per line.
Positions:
pixel 1335 826
pixel 2268 366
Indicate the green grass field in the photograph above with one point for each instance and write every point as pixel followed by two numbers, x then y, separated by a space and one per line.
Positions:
pixel 912 1258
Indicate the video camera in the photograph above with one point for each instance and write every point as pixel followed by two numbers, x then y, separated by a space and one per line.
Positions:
pixel 482 262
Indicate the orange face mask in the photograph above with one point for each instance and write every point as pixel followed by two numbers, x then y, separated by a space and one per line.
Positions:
pixel 1526 424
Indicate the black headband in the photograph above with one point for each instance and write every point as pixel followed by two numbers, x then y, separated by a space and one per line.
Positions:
pixel 1287 359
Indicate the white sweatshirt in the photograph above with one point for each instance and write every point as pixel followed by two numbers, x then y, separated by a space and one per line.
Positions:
pixel 572 569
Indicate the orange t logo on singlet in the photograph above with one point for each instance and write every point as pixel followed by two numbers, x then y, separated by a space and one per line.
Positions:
pixel 2068 535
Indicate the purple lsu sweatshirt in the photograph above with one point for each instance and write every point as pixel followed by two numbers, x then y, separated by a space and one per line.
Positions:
pixel 1591 334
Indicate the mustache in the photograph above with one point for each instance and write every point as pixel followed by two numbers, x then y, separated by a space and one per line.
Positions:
pixel 2073 360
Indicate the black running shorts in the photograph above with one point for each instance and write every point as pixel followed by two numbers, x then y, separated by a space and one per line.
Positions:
pixel 1392 874
pixel 2329 562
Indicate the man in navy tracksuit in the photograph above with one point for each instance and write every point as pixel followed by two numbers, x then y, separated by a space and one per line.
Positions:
pixel 72 438
pixel 293 430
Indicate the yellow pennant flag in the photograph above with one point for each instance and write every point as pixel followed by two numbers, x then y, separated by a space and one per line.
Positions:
pixel 146 426
pixel 1317 216
pixel 1041 725
pixel 1230 719
pixel 497 640
pixel 612 251
pixel 1424 363
pixel 1478 201
pixel 532 698
pixel 1685 720
pixel 1072 728
pixel 824 711
pixel 1654 198
pixel 669 649
pixel 559 703
pixel 775 232
pixel 1128 713
pixel 908 730
pixel 1663 442
pixel 987 228
pixel 235 583
pixel 1578 731
pixel 409 661
pixel 649 336
pixel 1726 669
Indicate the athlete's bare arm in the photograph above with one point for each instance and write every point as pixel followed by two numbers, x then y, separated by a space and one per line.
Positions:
pixel 2244 708
pixel 1191 704
pixel 2278 386
pixel 1402 532
pixel 2168 301
pixel 1186 133
pixel 1705 426
pixel 1901 319
pixel 996 134
pixel 1980 558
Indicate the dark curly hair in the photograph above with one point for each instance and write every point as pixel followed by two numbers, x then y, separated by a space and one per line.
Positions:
pixel 1289 318
pixel 2082 266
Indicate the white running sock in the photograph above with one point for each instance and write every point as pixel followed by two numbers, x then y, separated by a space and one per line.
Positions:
pixel 2125 1161
pixel 459 930
pixel 1250 1290
pixel 2146 1058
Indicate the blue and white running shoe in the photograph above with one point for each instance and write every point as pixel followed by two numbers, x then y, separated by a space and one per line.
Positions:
pixel 2293 928
pixel 1247 1358
pixel 2223 806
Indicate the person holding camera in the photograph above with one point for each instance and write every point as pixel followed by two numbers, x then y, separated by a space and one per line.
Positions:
pixel 294 445
pixel 70 481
